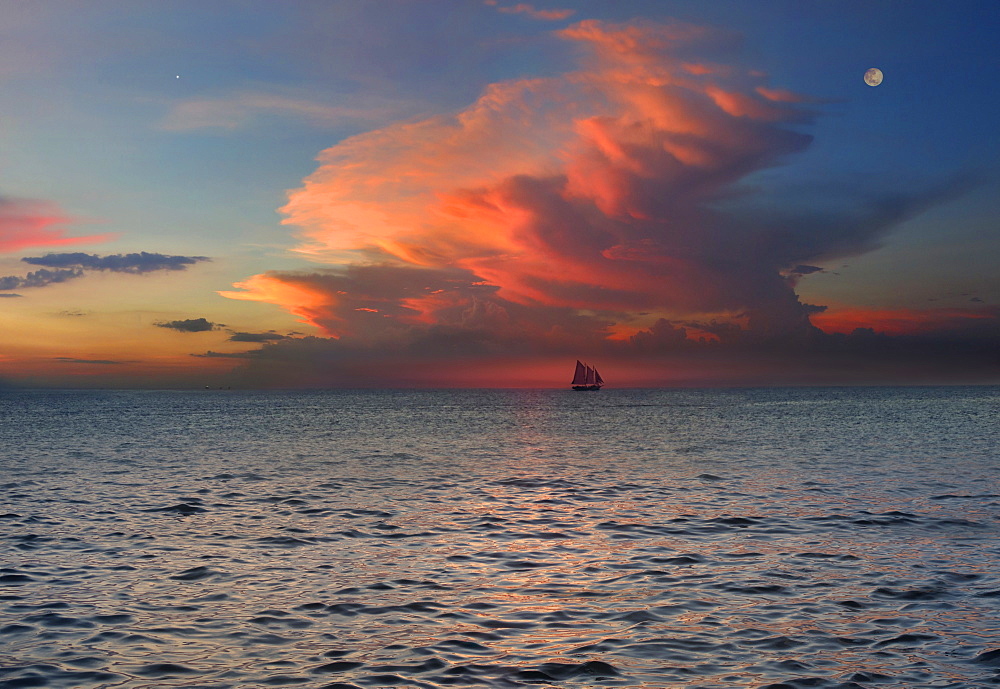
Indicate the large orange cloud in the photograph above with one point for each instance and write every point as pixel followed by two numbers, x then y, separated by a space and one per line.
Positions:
pixel 593 199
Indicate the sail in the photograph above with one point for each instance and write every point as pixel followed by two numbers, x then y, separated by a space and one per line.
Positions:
pixel 597 377
pixel 590 376
pixel 580 377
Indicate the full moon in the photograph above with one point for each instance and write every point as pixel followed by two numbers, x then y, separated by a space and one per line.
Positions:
pixel 873 77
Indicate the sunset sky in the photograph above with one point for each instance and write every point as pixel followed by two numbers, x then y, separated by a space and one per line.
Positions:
pixel 469 192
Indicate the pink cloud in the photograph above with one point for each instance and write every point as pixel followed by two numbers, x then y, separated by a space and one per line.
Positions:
pixel 782 95
pixel 585 207
pixel 26 223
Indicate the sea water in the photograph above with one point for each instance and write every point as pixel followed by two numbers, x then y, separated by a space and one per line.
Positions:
pixel 823 537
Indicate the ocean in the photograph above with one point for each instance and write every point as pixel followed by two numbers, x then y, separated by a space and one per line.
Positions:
pixel 779 538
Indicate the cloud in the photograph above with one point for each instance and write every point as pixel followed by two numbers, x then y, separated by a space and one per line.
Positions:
pixel 603 210
pixel 241 109
pixel 667 353
pixel 39 278
pixel 590 191
pixel 141 262
pixel 26 223
pixel 270 336
pixel 11 295
pixel 388 307
pixel 224 355
pixel 70 360
pixel 531 11
pixel 785 96
pixel 70 266
pixel 191 325
pixel 921 322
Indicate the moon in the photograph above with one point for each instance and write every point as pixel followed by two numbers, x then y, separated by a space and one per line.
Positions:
pixel 873 77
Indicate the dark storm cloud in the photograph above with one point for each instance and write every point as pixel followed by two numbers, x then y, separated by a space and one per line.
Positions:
pixel 661 335
pixel 257 337
pixel 960 350
pixel 191 325
pixel 141 262
pixel 964 350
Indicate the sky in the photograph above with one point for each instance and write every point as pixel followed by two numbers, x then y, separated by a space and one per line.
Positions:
pixel 439 193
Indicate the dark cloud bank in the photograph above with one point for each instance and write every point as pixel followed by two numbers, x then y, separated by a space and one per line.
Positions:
pixel 463 353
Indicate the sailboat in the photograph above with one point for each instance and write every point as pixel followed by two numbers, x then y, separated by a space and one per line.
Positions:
pixel 586 377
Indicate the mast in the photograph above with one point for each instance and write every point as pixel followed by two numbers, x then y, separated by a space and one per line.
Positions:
pixel 590 376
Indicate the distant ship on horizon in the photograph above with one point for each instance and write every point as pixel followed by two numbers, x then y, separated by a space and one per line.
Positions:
pixel 586 377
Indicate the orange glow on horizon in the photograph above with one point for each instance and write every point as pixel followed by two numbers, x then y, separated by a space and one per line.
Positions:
pixel 90 370
pixel 893 321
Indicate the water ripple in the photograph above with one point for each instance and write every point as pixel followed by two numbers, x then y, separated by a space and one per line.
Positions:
pixel 374 544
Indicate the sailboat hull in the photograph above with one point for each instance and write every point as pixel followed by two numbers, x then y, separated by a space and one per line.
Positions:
pixel 586 387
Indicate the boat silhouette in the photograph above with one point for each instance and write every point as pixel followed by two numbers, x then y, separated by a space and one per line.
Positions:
pixel 586 377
